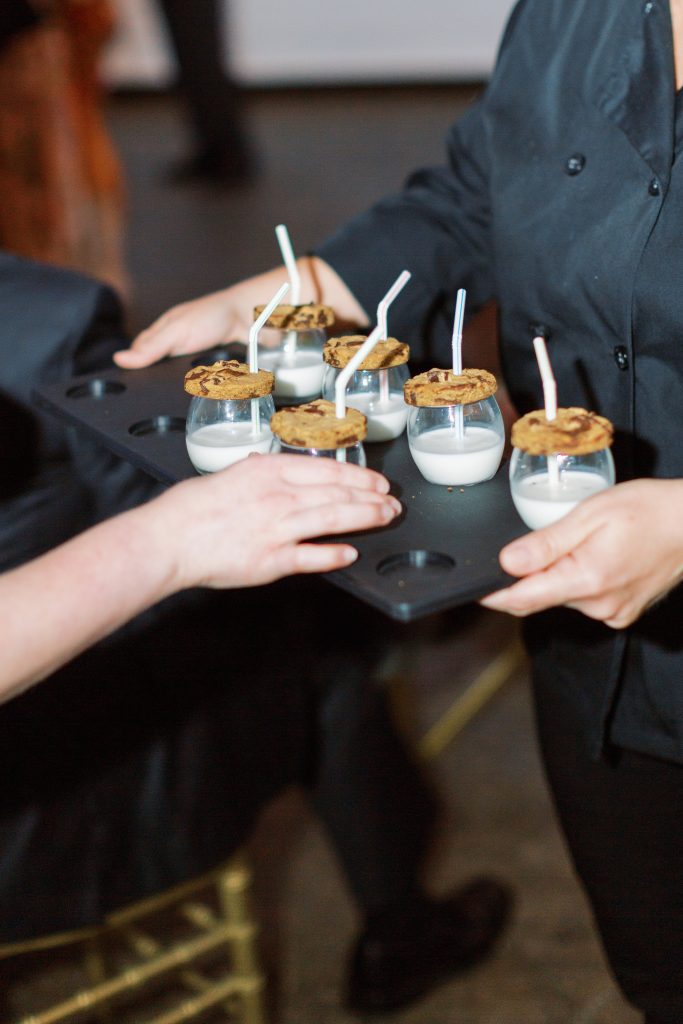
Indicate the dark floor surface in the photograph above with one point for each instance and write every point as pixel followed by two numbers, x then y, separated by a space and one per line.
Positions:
pixel 323 156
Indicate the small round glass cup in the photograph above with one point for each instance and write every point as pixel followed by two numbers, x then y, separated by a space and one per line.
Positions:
pixel 457 445
pixel 220 431
pixel 380 399
pixel 546 487
pixel 355 453
pixel 296 360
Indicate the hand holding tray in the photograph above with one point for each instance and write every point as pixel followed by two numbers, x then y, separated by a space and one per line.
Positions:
pixel 442 552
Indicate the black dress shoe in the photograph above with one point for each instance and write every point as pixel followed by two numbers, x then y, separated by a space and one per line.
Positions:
pixel 398 959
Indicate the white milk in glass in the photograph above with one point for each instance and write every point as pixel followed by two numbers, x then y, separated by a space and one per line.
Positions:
pixel 386 419
pixel 541 502
pixel 218 445
pixel 443 458
pixel 298 374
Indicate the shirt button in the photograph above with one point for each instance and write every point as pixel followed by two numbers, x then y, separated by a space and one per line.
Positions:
pixel 648 7
pixel 621 357
pixel 654 188
pixel 575 164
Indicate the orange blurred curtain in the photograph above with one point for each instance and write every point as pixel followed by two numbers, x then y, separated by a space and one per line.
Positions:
pixel 60 180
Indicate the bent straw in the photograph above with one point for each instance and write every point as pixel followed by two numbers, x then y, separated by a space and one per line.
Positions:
pixel 258 324
pixel 379 332
pixel 456 347
pixel 384 396
pixel 382 312
pixel 550 402
pixel 253 349
pixel 383 307
pixel 350 368
pixel 282 235
pixel 456 342
pixel 345 376
pixel 547 378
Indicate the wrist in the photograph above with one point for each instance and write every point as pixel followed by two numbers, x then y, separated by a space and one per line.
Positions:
pixel 154 538
pixel 328 288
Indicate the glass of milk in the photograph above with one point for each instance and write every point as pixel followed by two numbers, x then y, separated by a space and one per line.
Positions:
pixel 457 445
pixel 221 431
pixel 546 487
pixel 380 400
pixel 296 359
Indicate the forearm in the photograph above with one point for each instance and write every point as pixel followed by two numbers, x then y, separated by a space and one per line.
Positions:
pixel 56 606
pixel 246 526
pixel 437 227
pixel 319 283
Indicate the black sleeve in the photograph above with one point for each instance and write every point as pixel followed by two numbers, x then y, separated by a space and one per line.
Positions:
pixel 437 227
pixel 54 324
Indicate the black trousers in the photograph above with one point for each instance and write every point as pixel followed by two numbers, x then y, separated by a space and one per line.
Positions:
pixel 622 818
pixel 213 98
pixel 147 760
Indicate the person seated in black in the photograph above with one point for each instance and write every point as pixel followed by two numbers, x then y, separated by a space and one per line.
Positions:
pixel 146 759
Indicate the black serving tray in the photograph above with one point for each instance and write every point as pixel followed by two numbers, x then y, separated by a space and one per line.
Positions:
pixel 442 552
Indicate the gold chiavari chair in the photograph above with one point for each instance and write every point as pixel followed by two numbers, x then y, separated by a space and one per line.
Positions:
pixel 213 964
pixel 399 670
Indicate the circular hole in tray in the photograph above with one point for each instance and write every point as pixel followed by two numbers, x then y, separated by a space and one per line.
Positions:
pixel 416 564
pixel 157 425
pixel 96 388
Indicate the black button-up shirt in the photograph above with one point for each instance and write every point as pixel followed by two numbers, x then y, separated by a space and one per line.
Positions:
pixel 563 200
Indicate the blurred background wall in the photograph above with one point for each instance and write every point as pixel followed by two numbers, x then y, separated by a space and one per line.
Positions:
pixel 323 42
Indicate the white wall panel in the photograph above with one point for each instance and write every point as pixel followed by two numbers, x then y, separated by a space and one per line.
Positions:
pixel 139 53
pixel 366 40
pixel 321 41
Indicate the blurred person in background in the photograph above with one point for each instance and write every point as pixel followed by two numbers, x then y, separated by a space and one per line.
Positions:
pixel 61 182
pixel 145 760
pixel 221 152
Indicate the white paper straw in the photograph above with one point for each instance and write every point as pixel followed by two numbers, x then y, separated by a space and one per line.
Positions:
pixel 456 347
pixel 550 402
pixel 258 324
pixel 290 342
pixel 253 351
pixel 553 473
pixel 383 308
pixel 458 422
pixel 549 385
pixel 255 418
pixel 382 314
pixel 384 386
pixel 282 235
pixel 350 368
pixel 456 343
pixel 380 332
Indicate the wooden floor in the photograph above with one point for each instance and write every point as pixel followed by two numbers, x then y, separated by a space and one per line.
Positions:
pixel 323 156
